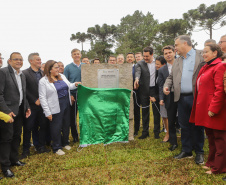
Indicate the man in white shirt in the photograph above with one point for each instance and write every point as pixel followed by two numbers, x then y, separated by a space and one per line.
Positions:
pixel 145 82
pixel 14 103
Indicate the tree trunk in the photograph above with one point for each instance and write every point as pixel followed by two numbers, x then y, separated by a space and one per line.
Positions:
pixel 211 30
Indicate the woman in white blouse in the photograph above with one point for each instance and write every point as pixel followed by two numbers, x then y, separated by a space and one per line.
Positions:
pixel 54 95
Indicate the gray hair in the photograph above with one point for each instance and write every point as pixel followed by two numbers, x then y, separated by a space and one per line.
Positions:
pixel 223 36
pixel 184 38
pixel 30 57
pixel 212 41
pixel 120 55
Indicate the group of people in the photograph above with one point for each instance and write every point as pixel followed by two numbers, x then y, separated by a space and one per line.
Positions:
pixel 192 86
pixel 188 86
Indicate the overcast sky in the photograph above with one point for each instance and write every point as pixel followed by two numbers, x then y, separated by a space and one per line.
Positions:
pixel 45 26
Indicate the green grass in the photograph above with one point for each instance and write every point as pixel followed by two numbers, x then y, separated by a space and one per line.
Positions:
pixel 145 161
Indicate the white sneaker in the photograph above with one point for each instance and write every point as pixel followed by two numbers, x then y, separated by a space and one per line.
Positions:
pixel 67 147
pixel 60 152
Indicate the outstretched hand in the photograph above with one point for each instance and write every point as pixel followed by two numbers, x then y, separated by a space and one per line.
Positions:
pixel 166 90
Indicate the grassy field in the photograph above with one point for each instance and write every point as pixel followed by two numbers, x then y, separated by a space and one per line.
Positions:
pixel 145 161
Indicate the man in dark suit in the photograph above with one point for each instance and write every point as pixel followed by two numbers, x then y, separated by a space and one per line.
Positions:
pixel 145 80
pixel 183 79
pixel 131 59
pixel 37 122
pixel 1 63
pixel 14 103
pixel 171 106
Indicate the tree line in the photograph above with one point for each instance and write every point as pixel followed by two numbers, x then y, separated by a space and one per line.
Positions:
pixel 139 30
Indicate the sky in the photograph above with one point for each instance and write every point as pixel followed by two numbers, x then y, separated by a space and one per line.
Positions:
pixel 45 26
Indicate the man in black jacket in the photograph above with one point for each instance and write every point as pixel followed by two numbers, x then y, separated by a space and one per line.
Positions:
pixel 37 122
pixel 171 106
pixel 145 80
pixel 14 103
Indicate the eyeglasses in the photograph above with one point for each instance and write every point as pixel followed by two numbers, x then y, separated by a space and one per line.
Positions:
pixel 18 59
pixel 1 58
pixel 220 42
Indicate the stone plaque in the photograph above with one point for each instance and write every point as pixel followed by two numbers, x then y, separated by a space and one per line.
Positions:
pixel 90 79
pixel 108 78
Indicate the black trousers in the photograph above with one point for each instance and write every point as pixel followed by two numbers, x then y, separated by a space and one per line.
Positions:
pixel 172 119
pixel 36 120
pixel 10 137
pixel 136 100
pixel 146 113
pixel 73 117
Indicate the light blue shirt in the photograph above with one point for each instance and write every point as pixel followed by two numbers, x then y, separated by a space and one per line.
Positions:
pixel 187 73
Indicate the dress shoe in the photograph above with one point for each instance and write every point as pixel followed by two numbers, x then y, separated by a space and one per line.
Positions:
pixel 143 136
pixel 60 152
pixel 157 136
pixel 183 155
pixel 199 159
pixel 224 178
pixel 43 150
pixel 18 163
pixel 8 173
pixel 25 154
pixel 135 133
pixel 173 147
pixel 67 147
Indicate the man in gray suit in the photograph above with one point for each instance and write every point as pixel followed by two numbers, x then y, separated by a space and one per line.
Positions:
pixel 14 103
pixel 145 79
pixel 182 79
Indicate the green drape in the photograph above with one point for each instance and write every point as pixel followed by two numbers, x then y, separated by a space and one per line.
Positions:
pixel 103 115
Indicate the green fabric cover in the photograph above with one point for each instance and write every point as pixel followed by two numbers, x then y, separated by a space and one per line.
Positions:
pixel 103 115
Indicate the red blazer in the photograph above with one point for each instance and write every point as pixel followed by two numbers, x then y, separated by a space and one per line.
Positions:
pixel 210 97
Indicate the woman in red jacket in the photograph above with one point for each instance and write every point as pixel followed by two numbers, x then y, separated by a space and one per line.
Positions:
pixel 209 107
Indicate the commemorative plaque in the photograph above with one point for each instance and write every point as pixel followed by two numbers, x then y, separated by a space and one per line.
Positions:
pixel 108 78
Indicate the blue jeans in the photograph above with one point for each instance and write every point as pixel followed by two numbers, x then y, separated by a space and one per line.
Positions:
pixel 60 122
pixel 192 137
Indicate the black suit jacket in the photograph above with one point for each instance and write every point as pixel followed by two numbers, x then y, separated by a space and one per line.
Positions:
pixel 32 87
pixel 143 74
pixel 9 91
pixel 163 73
